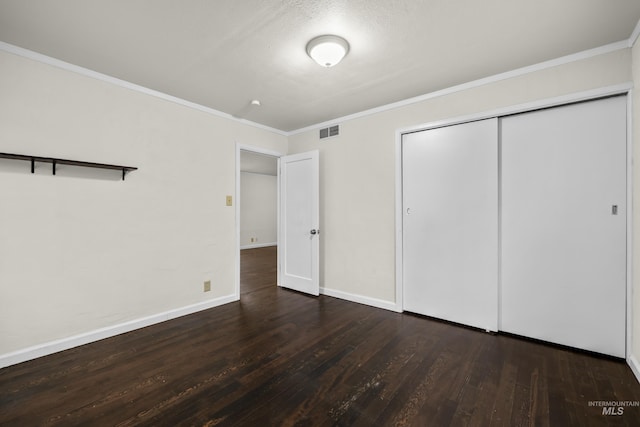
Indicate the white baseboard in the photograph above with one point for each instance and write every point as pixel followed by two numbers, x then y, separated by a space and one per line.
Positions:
pixel 258 245
pixel 51 347
pixel 635 366
pixel 374 302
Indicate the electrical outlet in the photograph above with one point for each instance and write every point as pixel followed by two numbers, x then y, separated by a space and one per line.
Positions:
pixel 207 285
pixel 229 201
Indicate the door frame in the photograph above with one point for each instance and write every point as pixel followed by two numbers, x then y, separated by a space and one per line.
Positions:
pixel 621 89
pixel 257 150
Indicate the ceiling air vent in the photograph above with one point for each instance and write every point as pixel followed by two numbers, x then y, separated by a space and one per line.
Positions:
pixel 330 131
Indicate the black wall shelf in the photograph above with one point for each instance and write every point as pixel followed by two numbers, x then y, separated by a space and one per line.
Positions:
pixel 54 162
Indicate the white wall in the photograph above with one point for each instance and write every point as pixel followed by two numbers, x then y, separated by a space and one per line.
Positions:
pixel 357 168
pixel 258 209
pixel 635 321
pixel 79 254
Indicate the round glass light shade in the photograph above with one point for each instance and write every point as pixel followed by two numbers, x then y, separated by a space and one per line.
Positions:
pixel 327 50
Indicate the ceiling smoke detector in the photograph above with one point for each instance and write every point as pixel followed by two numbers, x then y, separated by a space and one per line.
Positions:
pixel 327 50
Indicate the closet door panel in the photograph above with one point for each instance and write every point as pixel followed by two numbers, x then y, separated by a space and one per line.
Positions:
pixel 564 225
pixel 450 223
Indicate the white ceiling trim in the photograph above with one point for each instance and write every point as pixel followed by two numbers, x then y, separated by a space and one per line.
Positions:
pixel 634 36
pixel 588 95
pixel 624 44
pixel 26 53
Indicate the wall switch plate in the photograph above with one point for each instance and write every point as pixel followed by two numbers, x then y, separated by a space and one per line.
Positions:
pixel 229 201
pixel 207 285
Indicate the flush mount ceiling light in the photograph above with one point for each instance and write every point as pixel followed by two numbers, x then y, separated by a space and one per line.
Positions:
pixel 327 50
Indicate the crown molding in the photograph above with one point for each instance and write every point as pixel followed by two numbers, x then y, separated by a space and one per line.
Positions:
pixel 612 47
pixel 624 44
pixel 35 56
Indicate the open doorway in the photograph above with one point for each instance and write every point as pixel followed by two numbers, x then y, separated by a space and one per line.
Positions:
pixel 258 220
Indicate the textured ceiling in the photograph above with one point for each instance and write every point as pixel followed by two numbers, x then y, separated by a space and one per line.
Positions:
pixel 224 53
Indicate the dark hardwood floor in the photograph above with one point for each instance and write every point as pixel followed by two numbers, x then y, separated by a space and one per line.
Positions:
pixel 279 358
pixel 258 269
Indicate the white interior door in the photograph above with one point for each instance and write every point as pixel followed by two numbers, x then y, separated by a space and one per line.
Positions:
pixel 564 225
pixel 450 223
pixel 298 250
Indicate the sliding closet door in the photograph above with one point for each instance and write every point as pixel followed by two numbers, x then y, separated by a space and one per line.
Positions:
pixel 564 225
pixel 450 223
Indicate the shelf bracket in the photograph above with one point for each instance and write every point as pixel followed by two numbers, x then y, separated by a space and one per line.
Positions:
pixel 33 165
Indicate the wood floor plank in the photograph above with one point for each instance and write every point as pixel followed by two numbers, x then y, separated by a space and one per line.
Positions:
pixel 280 358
